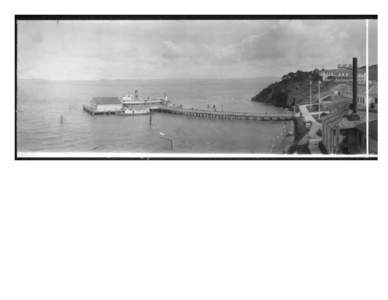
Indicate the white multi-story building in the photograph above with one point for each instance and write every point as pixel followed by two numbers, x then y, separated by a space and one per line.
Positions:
pixel 342 73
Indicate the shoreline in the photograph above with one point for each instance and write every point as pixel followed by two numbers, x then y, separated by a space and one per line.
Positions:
pixel 283 142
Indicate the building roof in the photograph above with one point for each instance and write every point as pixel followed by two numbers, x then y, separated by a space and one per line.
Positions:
pixel 106 100
pixel 361 89
pixel 348 124
pixel 343 70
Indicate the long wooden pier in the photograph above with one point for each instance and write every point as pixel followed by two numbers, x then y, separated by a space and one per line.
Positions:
pixel 207 114
pixel 224 115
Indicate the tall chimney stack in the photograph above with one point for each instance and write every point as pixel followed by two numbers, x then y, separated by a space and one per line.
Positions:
pixel 354 116
pixel 355 72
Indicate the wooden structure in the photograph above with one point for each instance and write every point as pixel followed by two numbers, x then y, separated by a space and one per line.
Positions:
pixel 208 114
pixel 223 115
pixel 331 135
pixel 92 111
pixel 105 104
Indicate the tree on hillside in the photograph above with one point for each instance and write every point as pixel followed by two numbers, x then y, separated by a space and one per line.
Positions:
pixel 315 76
pixel 280 96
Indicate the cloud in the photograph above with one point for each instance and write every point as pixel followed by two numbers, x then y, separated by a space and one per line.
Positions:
pixel 295 40
pixel 199 53
pixel 302 43
pixel 147 49
pixel 184 50
pixel 262 47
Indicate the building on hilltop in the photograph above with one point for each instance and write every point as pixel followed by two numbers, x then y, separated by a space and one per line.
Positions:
pixel 343 72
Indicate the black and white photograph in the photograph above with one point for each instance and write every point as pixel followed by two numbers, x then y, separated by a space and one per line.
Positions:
pixel 176 86
pixel 193 150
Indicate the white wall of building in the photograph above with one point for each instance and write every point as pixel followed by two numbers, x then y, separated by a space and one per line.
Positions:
pixel 108 107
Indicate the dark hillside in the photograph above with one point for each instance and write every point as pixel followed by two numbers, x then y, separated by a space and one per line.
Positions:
pixel 293 87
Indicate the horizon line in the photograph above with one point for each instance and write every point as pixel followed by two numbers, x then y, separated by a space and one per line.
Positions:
pixel 144 79
pixel 172 78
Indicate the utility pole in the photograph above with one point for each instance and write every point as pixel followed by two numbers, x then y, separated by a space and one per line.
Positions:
pixel 311 97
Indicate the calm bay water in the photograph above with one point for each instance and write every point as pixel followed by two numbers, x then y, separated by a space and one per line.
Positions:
pixel 41 103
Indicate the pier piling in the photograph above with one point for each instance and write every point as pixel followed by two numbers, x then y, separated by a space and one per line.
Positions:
pixel 221 115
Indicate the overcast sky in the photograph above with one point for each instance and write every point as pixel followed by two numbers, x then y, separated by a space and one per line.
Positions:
pixel 187 49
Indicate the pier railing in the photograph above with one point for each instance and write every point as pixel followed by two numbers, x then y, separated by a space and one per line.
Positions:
pixel 214 114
